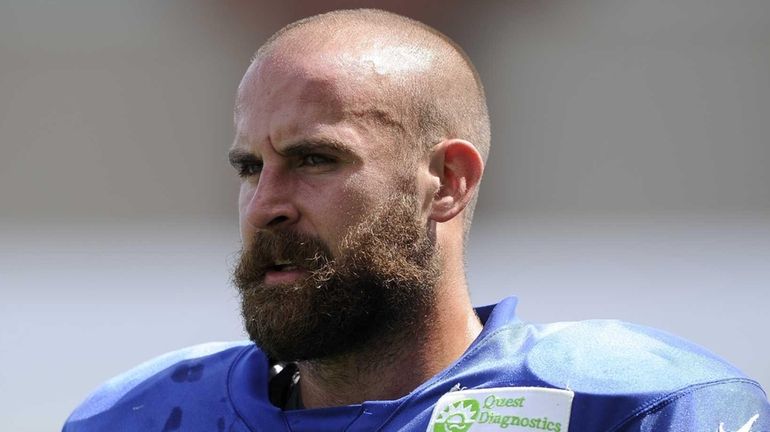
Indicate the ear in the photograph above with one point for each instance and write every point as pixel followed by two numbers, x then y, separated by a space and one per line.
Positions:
pixel 458 166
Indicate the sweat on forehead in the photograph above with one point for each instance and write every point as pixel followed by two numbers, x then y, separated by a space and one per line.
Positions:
pixel 335 83
pixel 368 54
pixel 436 86
pixel 367 48
pixel 357 59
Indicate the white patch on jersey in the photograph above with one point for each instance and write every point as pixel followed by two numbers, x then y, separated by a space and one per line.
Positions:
pixel 744 428
pixel 503 409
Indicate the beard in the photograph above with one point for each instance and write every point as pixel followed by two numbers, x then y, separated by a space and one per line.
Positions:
pixel 380 286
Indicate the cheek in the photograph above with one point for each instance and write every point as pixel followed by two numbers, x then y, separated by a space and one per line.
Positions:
pixel 336 211
pixel 360 194
pixel 363 196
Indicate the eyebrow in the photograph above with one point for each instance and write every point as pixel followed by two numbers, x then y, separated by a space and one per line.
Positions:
pixel 239 156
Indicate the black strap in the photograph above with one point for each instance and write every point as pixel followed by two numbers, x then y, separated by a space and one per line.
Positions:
pixel 283 389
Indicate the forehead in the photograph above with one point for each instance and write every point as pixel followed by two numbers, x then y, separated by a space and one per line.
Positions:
pixel 273 84
pixel 284 90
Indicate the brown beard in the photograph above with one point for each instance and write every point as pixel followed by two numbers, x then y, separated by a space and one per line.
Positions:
pixel 380 286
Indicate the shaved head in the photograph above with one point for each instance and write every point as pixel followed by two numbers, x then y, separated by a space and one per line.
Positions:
pixel 420 86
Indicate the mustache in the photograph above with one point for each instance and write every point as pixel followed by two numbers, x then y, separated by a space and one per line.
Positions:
pixel 272 248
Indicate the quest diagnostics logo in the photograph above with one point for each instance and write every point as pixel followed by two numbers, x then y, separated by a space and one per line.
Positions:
pixel 508 408
pixel 457 417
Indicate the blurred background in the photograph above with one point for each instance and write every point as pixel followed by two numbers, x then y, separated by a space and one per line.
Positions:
pixel 628 178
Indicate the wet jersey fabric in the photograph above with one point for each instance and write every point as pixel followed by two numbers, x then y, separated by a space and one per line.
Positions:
pixel 587 376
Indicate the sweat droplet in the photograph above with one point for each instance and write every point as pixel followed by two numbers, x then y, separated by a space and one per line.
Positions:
pixel 187 373
pixel 174 420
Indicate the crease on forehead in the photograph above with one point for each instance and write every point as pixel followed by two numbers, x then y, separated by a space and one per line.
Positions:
pixel 368 84
pixel 365 72
pixel 341 87
pixel 269 83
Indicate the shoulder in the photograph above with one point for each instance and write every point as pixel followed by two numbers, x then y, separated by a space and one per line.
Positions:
pixel 640 378
pixel 598 357
pixel 203 366
pixel 615 356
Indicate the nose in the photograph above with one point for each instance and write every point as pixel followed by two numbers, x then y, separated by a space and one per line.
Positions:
pixel 270 204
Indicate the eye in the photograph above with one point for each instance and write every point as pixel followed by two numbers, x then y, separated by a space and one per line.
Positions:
pixel 249 169
pixel 314 160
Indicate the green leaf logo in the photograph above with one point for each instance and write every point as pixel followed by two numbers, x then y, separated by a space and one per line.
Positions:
pixel 457 417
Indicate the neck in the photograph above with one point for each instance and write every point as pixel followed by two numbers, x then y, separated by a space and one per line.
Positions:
pixel 394 368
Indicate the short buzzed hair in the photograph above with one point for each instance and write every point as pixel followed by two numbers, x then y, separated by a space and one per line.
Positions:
pixel 445 102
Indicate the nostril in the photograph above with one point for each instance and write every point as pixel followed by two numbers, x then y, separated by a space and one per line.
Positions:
pixel 277 221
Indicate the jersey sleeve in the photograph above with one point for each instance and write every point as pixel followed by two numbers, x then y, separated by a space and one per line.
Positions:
pixel 738 405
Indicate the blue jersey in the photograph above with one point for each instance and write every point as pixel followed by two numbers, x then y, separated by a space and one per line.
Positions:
pixel 588 376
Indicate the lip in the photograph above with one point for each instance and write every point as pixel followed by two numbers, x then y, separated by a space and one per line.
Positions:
pixel 273 277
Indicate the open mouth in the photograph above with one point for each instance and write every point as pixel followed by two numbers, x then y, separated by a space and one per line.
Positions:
pixel 283 267
pixel 283 272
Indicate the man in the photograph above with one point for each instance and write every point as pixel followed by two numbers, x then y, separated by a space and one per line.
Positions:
pixel 360 142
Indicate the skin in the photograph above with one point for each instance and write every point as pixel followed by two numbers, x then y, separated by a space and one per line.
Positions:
pixel 313 159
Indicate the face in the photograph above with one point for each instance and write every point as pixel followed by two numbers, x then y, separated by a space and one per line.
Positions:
pixel 309 154
pixel 336 248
